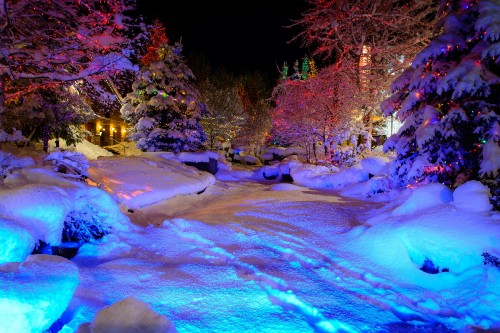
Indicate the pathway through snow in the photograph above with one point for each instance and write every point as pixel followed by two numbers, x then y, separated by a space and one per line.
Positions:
pixel 243 258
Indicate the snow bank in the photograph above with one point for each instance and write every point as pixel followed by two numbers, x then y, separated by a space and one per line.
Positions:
pixel 322 177
pixel 9 163
pixel 38 201
pixel 203 156
pixel 375 164
pixel 90 150
pixel 147 179
pixel 34 293
pixel 427 226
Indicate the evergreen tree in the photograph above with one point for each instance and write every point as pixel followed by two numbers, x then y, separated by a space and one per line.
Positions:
pixel 449 101
pixel 164 106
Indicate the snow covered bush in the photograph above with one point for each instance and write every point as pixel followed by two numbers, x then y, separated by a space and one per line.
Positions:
pixel 9 163
pixel 84 226
pixel 449 102
pixel 72 164
pixel 490 260
pixel 15 136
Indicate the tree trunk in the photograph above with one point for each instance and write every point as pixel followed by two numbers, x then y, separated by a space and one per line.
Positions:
pixel 3 83
pixel 45 138
pixel 314 152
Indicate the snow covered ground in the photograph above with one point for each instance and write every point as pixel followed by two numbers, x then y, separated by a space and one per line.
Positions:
pixel 333 252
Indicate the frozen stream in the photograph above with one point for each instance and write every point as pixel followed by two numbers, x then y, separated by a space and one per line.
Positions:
pixel 247 257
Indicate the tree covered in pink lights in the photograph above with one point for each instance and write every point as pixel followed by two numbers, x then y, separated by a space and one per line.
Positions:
pixel 385 33
pixel 252 90
pixel 319 109
pixel 449 101
pixel 225 117
pixel 46 43
pixel 164 105
pixel 367 41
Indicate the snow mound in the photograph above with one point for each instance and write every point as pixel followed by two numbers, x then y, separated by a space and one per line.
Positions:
pixel 317 176
pixel 374 164
pixel 375 185
pixel 309 175
pixel 9 162
pixel 34 293
pixel 201 156
pixel 424 197
pixel 472 195
pixel 130 315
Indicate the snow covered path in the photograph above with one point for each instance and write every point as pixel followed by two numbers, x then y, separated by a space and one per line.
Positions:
pixel 246 257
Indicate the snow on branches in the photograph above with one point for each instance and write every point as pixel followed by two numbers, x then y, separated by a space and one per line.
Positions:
pixel 46 43
pixel 164 105
pixel 449 102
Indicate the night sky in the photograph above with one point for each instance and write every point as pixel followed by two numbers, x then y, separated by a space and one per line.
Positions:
pixel 240 36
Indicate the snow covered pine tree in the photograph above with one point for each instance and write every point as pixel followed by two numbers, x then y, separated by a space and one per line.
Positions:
pixel 164 105
pixel 449 102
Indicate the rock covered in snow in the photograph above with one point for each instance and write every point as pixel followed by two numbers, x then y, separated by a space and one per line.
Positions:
pixel 39 205
pixel 130 315
pixel 34 293
pixel 17 241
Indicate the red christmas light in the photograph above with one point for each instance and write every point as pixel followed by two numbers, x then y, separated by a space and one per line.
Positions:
pixel 158 37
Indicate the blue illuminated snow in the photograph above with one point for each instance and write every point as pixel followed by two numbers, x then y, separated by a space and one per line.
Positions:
pixel 35 293
pixel 258 257
pixel 17 242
